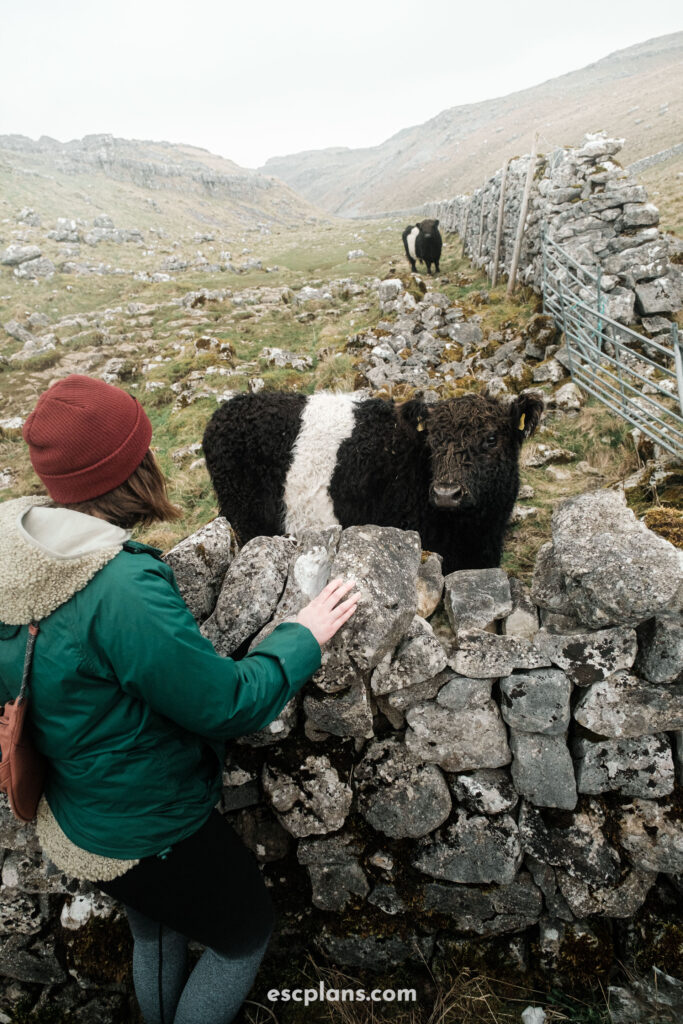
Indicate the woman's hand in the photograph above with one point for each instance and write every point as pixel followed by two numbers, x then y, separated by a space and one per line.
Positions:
pixel 325 614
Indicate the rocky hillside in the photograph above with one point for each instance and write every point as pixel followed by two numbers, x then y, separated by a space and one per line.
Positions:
pixel 141 185
pixel 634 93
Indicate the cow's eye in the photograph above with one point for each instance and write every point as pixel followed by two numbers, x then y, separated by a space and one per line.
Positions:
pixel 491 441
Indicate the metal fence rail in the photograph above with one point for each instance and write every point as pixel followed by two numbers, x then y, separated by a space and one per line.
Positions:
pixel 639 378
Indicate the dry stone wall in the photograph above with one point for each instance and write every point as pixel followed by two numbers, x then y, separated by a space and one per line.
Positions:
pixel 594 209
pixel 474 761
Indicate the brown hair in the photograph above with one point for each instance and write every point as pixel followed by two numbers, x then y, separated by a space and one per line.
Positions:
pixel 140 500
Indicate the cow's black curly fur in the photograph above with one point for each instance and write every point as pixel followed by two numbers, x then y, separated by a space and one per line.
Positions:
pixel 248 449
pixel 385 470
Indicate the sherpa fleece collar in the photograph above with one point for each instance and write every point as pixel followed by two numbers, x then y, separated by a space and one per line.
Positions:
pixel 47 555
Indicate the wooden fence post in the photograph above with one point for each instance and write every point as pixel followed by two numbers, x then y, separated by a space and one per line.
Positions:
pixel 499 227
pixel 481 225
pixel 522 218
pixel 464 233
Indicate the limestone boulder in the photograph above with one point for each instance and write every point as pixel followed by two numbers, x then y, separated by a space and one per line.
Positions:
pixel 493 911
pixel 589 657
pixel 662 295
pixel 251 591
pixel 548 586
pixel 660 650
pixel 394 705
pixel 15 255
pixel 641 766
pixel 356 949
pixel 41 267
pixel 488 656
pixel 334 869
pixel 537 701
pixel 308 800
pixel 615 571
pixel 542 769
pixel 384 563
pixel 430 583
pixel 621 900
pixel 21 914
pixel 397 794
pixel 347 713
pixel 522 621
pixel 652 835
pixel 200 563
pixel 419 656
pixel 486 791
pixel 308 572
pixel 475 598
pixel 624 705
pixel 576 843
pixel 457 740
pixel 473 850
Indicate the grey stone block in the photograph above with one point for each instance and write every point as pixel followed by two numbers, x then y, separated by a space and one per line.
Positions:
pixel 397 794
pixel 660 650
pixel 537 701
pixel 457 740
pixel 624 705
pixel 542 770
pixel 475 598
pixel 472 850
pixel 589 657
pixel 642 766
pixel 486 791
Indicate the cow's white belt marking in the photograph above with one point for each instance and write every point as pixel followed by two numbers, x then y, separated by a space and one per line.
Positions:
pixel 327 420
pixel 411 242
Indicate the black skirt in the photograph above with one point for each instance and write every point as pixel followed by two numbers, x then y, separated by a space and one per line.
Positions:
pixel 208 887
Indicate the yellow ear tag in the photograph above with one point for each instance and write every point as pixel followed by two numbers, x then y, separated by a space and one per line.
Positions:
pixel 521 422
pixel 420 425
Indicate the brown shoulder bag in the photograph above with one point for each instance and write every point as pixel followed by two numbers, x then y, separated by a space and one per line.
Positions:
pixel 22 766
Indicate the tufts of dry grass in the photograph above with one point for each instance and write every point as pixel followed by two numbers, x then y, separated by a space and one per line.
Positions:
pixel 667 522
pixel 458 996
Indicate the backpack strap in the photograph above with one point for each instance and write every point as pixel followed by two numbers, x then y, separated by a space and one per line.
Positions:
pixel 33 630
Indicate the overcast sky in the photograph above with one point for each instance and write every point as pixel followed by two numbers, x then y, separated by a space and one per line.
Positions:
pixel 261 78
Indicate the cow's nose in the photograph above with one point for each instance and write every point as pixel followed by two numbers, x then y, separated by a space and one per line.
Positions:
pixel 448 495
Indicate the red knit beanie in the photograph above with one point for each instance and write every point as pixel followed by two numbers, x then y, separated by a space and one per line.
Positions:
pixel 85 438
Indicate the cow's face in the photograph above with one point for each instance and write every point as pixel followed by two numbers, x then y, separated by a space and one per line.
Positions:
pixel 428 227
pixel 474 444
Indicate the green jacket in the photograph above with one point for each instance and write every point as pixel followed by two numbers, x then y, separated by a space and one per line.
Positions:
pixel 131 704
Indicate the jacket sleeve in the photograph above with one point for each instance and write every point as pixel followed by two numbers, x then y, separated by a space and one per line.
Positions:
pixel 147 636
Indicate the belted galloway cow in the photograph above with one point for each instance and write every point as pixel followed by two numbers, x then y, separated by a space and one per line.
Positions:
pixel 282 463
pixel 423 242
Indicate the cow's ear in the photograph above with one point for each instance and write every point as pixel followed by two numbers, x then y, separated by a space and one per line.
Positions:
pixel 525 412
pixel 436 223
pixel 414 414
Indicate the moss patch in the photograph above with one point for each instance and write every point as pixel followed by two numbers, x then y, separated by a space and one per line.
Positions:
pixel 667 522
pixel 102 950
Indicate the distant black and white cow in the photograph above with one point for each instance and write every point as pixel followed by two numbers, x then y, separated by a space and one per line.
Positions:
pixel 423 242
pixel 282 463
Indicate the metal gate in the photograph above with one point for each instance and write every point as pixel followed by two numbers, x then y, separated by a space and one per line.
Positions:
pixel 639 378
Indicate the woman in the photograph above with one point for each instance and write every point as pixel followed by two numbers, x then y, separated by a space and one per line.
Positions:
pixel 132 706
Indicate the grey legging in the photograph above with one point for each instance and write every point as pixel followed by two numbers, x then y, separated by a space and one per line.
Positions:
pixel 208 887
pixel 212 994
